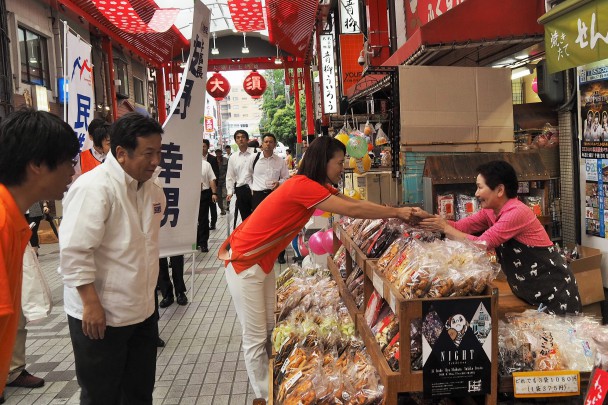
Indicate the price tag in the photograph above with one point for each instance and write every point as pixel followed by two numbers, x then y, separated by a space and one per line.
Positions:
pixel 378 284
pixel 293 380
pixel 546 384
pixel 392 302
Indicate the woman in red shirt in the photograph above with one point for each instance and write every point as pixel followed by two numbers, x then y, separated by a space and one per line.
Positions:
pixel 253 247
pixel 535 270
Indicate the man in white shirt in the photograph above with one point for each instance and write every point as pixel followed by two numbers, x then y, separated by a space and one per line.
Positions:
pixel 238 176
pixel 208 197
pixel 109 264
pixel 216 170
pixel 268 171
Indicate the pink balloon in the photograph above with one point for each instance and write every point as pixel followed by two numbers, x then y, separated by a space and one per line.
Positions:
pixel 315 243
pixel 535 85
pixel 328 241
pixel 318 213
pixel 302 247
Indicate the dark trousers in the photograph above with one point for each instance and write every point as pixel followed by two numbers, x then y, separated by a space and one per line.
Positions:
pixel 243 202
pixel 221 196
pixel 34 241
pixel 177 272
pixel 49 219
pixel 118 369
pixel 202 234
pixel 213 209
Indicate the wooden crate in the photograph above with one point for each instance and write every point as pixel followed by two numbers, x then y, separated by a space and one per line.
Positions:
pixel 347 297
pixel 406 379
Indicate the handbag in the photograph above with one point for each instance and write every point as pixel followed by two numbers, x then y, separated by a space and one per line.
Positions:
pixel 36 297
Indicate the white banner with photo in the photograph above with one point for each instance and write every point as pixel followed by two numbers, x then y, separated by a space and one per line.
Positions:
pixel 182 145
pixel 81 97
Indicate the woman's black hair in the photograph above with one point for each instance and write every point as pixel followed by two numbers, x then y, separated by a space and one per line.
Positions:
pixel 319 152
pixel 28 136
pixel 500 172
pixel 129 127
pixel 100 133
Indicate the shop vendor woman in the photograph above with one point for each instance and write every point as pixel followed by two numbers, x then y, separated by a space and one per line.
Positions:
pixel 536 272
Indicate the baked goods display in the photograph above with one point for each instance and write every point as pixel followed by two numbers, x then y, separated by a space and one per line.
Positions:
pixel 318 359
pixel 536 341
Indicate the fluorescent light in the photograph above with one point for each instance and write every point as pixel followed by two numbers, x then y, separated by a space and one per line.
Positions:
pixel 244 49
pixel 520 72
pixel 215 51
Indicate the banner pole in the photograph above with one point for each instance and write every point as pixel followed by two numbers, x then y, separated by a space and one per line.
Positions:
pixel 65 70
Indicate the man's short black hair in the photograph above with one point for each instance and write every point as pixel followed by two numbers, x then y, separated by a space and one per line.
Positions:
pixel 319 152
pixel 96 123
pixel 270 135
pixel 102 132
pixel 28 136
pixel 220 152
pixel 499 172
pixel 287 150
pixel 206 142
pixel 242 132
pixel 131 126
pixel 253 143
pixel 228 147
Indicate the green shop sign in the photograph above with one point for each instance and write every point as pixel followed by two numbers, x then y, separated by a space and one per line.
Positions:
pixel 576 33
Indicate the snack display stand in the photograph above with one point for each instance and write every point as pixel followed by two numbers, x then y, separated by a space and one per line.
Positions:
pixel 405 380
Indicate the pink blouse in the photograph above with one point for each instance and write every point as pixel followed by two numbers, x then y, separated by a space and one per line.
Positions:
pixel 514 221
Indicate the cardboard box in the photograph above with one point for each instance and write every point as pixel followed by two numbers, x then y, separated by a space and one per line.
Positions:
pixel 462 105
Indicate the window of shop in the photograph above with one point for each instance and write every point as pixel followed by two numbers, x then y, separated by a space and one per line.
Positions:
pixel 121 78
pixel 34 58
pixel 138 89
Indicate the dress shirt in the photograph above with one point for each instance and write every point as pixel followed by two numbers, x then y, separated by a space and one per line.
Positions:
pixel 271 168
pixel 207 175
pixel 238 170
pixel 109 237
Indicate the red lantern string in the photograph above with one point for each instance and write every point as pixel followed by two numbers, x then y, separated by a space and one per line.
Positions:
pixel 218 86
pixel 254 85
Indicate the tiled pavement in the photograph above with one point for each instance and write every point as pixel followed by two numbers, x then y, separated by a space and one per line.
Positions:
pixel 202 362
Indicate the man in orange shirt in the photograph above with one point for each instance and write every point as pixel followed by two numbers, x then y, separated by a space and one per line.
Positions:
pixel 36 163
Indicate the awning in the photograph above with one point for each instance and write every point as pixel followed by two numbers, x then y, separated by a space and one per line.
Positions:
pixel 291 25
pixel 473 34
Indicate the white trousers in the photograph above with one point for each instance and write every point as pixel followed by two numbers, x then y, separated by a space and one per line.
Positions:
pixel 253 293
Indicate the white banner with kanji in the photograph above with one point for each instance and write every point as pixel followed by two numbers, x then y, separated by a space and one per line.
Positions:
pixel 81 97
pixel 182 146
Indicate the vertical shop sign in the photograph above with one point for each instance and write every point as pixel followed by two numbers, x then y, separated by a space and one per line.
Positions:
pixel 81 102
pixel 350 49
pixel 181 156
pixel 329 74
pixel 349 17
pixel 456 347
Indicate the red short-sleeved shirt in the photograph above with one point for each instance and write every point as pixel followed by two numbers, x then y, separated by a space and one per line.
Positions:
pixel 14 235
pixel 281 215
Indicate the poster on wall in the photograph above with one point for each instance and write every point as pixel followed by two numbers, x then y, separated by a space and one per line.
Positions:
pixel 456 347
pixel 596 184
pixel 593 87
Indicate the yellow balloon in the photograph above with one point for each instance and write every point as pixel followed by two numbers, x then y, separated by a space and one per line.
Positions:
pixel 343 138
pixel 362 165
pixel 354 194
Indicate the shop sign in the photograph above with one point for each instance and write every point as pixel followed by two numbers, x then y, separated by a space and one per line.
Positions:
pixel 577 37
pixel 596 217
pixel 330 104
pixel 456 347
pixel 350 49
pixel 208 123
pixel 420 12
pixel 593 90
pixel 598 386
pixel 349 17
pixel 542 384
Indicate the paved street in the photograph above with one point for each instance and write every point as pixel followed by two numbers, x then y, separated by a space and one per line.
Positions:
pixel 201 364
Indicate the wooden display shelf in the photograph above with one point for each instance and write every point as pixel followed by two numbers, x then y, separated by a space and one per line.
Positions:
pixel 353 252
pixel 347 297
pixel 407 310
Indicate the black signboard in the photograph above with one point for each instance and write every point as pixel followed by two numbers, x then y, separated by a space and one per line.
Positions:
pixel 457 347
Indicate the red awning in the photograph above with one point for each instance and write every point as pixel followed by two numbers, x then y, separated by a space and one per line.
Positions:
pixel 156 48
pixel 291 25
pixel 496 26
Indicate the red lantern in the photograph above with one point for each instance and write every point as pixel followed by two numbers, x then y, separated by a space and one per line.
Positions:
pixel 218 86
pixel 254 84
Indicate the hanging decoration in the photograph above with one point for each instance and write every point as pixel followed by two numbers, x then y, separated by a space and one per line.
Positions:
pixel 218 86
pixel 535 85
pixel 254 84
pixel 247 15
pixel 122 14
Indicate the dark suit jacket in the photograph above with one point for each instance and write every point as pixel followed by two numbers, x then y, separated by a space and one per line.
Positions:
pixel 214 166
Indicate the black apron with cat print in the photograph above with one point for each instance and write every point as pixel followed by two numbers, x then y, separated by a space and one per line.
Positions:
pixel 539 275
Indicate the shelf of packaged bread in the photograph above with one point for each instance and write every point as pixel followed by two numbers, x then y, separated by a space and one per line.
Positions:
pixel 406 311
pixel 347 297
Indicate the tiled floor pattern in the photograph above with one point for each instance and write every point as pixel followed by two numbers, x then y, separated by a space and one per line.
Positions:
pixel 202 362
